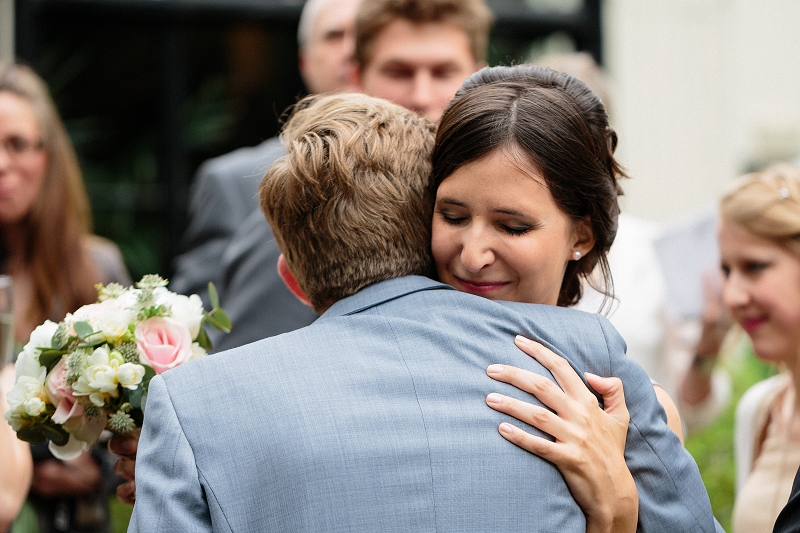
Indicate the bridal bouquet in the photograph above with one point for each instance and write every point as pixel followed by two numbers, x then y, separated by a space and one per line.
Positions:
pixel 91 371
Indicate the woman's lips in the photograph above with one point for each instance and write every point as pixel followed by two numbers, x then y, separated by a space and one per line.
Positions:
pixel 481 287
pixel 751 324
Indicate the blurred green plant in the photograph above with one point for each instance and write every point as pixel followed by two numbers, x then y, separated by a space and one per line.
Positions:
pixel 712 447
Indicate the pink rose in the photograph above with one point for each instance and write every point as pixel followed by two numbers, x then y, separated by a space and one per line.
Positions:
pixel 61 394
pixel 163 343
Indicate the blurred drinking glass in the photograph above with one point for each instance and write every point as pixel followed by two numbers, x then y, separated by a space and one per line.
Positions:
pixel 6 322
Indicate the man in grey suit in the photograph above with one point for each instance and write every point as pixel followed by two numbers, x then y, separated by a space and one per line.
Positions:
pixel 373 418
pixel 224 188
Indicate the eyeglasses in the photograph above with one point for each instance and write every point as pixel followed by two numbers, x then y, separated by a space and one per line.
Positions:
pixel 19 146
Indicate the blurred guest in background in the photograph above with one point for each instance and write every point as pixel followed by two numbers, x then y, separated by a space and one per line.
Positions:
pixel 224 188
pixel 759 238
pixel 55 261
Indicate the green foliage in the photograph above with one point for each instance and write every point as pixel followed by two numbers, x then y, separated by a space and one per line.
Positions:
pixel 39 433
pixel 712 447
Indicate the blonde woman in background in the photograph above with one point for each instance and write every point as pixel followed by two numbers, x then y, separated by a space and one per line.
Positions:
pixel 759 238
pixel 47 247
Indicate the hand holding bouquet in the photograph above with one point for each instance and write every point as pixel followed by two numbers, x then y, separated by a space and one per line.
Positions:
pixel 91 371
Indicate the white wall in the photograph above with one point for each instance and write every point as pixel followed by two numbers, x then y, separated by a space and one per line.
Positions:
pixel 6 30
pixel 701 88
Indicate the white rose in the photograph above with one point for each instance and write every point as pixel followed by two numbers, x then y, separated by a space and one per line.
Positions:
pixel 34 406
pixel 187 310
pixel 43 334
pixel 130 375
pixel 28 359
pixel 110 317
pixel 27 397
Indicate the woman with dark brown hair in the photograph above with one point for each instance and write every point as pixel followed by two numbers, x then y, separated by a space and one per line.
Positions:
pixel 526 208
pixel 47 247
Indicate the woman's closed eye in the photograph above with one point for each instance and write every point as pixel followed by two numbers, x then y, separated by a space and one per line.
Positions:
pixel 452 218
pixel 516 229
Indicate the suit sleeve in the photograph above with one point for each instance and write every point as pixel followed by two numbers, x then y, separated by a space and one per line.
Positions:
pixel 789 519
pixel 214 216
pixel 672 496
pixel 169 496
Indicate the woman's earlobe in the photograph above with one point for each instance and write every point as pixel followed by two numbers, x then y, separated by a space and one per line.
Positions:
pixel 584 237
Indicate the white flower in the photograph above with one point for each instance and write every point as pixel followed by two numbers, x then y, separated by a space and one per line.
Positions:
pixel 110 317
pixel 187 310
pixel 99 380
pixel 198 351
pixel 130 375
pixel 28 359
pixel 28 397
pixel 35 406
pixel 71 450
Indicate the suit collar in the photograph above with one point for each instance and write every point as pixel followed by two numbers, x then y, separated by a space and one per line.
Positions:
pixel 382 292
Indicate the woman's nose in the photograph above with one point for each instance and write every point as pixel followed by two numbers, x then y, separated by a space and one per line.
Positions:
pixel 476 252
pixel 734 292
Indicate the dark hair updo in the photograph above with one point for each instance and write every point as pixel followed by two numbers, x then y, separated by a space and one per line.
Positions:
pixel 562 127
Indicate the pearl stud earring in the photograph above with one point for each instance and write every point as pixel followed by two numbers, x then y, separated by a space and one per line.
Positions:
pixel 577 255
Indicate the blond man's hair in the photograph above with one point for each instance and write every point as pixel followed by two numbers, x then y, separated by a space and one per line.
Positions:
pixel 350 203
pixel 471 16
pixel 767 204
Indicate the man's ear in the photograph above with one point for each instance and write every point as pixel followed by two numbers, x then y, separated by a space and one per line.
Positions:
pixel 583 236
pixel 290 281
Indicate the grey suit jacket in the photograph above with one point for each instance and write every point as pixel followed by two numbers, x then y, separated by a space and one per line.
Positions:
pixel 223 195
pixel 374 419
pixel 252 293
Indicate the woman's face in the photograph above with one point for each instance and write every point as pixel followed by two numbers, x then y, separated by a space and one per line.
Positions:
pixel 498 232
pixel 22 169
pixel 762 291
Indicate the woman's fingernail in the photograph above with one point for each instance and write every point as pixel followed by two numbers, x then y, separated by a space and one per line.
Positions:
pixel 522 340
pixel 495 369
pixel 506 428
pixel 494 398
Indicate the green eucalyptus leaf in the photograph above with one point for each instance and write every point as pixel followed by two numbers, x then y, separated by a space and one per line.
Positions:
pixel 92 344
pixel 213 295
pixel 50 358
pixel 144 402
pixel 149 374
pixel 135 397
pixel 83 330
pixel 32 434
pixel 223 320
pixel 56 434
pixel 203 340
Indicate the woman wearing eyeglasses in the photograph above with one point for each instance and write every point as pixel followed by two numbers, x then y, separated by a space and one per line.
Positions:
pixel 47 247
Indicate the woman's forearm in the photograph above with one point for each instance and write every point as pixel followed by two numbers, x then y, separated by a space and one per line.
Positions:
pixel 16 465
